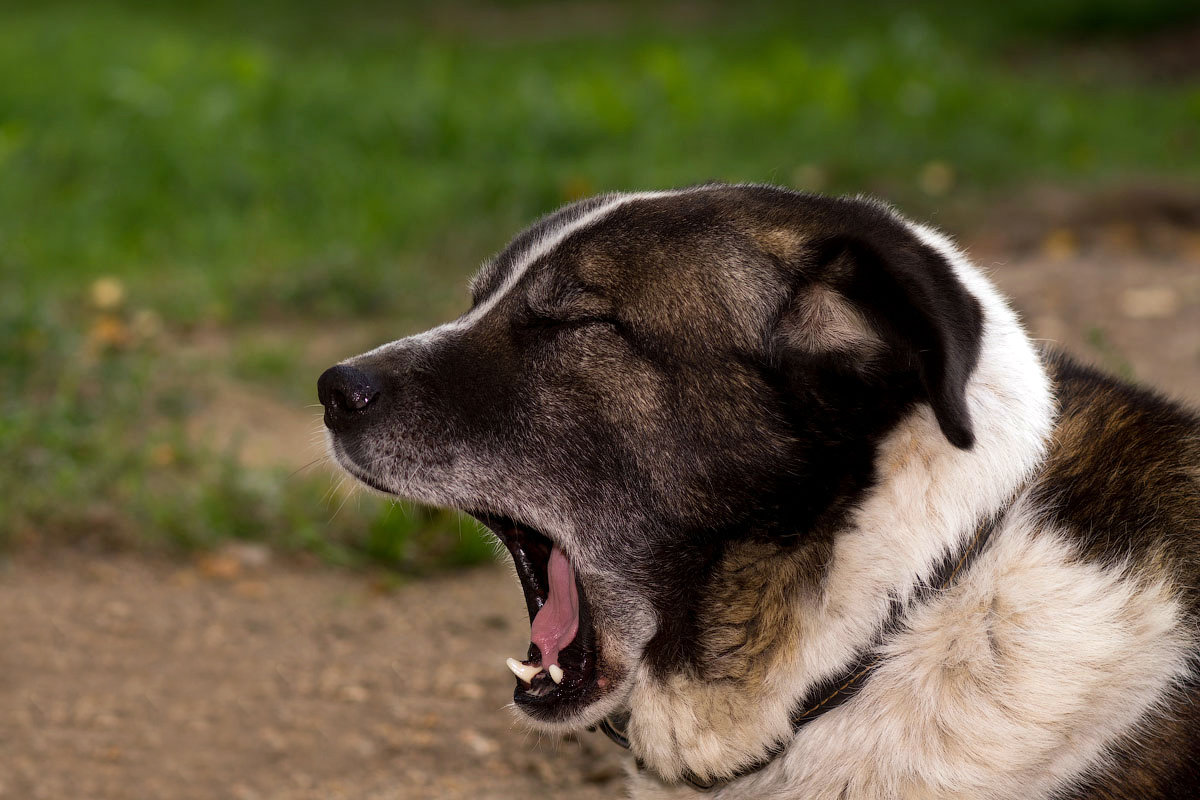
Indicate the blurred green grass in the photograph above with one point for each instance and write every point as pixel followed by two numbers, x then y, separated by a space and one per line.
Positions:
pixel 233 173
pixel 242 166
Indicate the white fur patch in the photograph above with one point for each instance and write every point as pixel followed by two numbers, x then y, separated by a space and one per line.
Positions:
pixel 1010 685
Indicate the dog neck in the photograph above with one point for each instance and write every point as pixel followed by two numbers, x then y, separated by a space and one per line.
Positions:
pixel 772 634
pixel 832 692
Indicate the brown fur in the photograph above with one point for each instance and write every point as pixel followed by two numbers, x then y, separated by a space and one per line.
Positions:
pixel 821 321
pixel 751 609
pixel 1124 473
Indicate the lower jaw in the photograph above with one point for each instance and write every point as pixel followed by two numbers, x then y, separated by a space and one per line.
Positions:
pixel 580 710
pixel 558 705
pixel 583 681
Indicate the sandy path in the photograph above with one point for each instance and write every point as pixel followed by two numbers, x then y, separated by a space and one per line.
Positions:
pixel 127 678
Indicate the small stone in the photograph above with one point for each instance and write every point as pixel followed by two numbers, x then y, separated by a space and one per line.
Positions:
pixel 273 739
pixel 1151 302
pixel 479 744
pixel 355 693
pixel 118 609
pixel 469 690
pixel 249 554
pixel 363 747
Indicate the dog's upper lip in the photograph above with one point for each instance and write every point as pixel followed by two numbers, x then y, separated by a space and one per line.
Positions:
pixel 530 552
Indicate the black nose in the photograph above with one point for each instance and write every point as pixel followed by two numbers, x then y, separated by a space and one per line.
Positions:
pixel 345 392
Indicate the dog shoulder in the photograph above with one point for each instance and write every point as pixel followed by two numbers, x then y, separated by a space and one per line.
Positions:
pixel 1123 473
pixel 1122 480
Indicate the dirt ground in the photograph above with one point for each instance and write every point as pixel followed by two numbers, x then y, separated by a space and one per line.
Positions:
pixel 246 676
pixel 241 677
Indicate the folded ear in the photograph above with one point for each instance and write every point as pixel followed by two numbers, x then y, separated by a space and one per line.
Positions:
pixel 892 297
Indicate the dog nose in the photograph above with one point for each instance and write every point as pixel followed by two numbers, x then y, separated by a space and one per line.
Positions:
pixel 344 391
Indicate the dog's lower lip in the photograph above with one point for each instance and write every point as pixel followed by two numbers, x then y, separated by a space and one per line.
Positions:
pixel 350 465
pixel 579 684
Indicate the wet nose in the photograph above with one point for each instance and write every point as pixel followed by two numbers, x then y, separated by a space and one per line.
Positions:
pixel 345 392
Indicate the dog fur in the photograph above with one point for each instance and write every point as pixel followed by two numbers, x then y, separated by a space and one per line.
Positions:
pixel 755 421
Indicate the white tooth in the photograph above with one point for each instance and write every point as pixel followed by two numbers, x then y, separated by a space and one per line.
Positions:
pixel 556 673
pixel 525 672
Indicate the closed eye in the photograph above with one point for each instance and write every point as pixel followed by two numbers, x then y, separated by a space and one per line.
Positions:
pixel 549 326
pixel 567 323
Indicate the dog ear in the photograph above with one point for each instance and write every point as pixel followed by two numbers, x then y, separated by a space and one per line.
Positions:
pixel 861 297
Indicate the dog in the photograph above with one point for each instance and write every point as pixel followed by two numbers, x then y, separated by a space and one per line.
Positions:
pixel 798 509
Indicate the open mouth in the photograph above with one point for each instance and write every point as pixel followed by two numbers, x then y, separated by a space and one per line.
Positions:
pixel 560 675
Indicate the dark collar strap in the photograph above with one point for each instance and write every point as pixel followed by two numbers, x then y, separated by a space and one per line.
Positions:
pixel 832 692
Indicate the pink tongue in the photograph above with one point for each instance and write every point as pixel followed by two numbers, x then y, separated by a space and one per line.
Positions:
pixel 558 620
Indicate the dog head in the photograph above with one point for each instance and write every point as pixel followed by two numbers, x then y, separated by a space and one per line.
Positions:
pixel 647 386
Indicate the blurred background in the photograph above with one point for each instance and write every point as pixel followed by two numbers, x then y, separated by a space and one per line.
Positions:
pixel 203 205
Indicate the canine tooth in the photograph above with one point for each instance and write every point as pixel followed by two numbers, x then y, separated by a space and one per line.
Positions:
pixel 556 673
pixel 525 672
